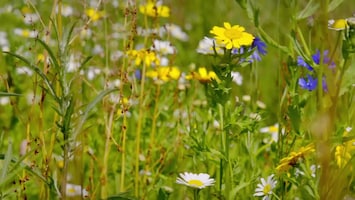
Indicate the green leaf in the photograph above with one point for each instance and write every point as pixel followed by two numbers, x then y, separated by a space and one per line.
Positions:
pixel 6 94
pixel 39 72
pixel 89 107
pixel 163 195
pixel 7 161
pixel 309 10
pixel 334 4
pixel 50 53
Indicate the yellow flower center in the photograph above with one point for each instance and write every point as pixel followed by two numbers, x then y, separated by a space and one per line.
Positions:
pixel 71 191
pixel 273 129
pixel 340 24
pixel 267 189
pixel 232 34
pixel 196 183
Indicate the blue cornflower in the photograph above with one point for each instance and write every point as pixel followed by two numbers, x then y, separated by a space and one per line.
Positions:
pixel 309 84
pixel 316 60
pixel 138 74
pixel 260 50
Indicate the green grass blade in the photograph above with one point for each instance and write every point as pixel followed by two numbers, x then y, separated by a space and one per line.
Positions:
pixel 39 72
pixel 6 94
pixel 89 107
pixel 7 161
pixel 334 4
pixel 309 10
pixel 50 53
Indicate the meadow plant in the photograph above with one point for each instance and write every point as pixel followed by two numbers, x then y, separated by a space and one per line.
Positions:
pixel 154 99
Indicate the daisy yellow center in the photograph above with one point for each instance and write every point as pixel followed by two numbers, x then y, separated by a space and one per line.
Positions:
pixel 267 189
pixel 196 183
pixel 274 129
pixel 71 191
pixel 232 34
pixel 341 23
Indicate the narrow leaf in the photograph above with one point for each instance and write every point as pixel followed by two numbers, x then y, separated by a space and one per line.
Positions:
pixel 89 107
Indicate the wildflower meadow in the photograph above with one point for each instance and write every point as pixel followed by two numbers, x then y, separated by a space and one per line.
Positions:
pixel 177 99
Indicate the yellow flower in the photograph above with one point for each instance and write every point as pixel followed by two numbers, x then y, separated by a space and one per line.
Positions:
pixel 343 151
pixel 153 10
pixel 232 36
pixel 144 56
pixel 203 76
pixel 40 57
pixel 164 73
pixel 293 158
pixel 338 25
pixel 93 14
pixel 342 156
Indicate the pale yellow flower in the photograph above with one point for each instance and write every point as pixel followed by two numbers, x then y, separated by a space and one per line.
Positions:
pixel 203 75
pixel 93 14
pixel 164 74
pixel 144 56
pixel 153 10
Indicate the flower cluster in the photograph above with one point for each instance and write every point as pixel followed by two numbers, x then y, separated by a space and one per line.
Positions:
pixel 163 74
pixel 310 83
pixel 293 158
pixel 203 75
pixel 233 38
pixel 153 9
pixel 145 56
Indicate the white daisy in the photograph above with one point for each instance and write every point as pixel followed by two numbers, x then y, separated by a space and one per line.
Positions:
pixel 199 181
pixel 163 47
pixel 273 130
pixel 175 31
pixel 265 188
pixel 205 46
pixel 73 190
pixel 237 78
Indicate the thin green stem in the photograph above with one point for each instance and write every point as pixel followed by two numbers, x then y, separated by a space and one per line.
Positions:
pixel 139 130
pixel 196 194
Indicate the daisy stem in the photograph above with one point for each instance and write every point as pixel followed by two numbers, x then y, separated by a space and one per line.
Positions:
pixel 196 194
pixel 139 130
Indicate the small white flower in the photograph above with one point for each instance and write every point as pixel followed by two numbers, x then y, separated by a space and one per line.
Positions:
pixel 237 78
pixel 273 130
pixel 265 188
pixel 163 47
pixel 4 100
pixel 93 72
pixel 66 10
pixel 199 181
pixel 30 18
pixel 26 33
pixel 24 71
pixel 205 46
pixel 73 190
pixel 348 129
pixel 175 31
pixel 4 42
